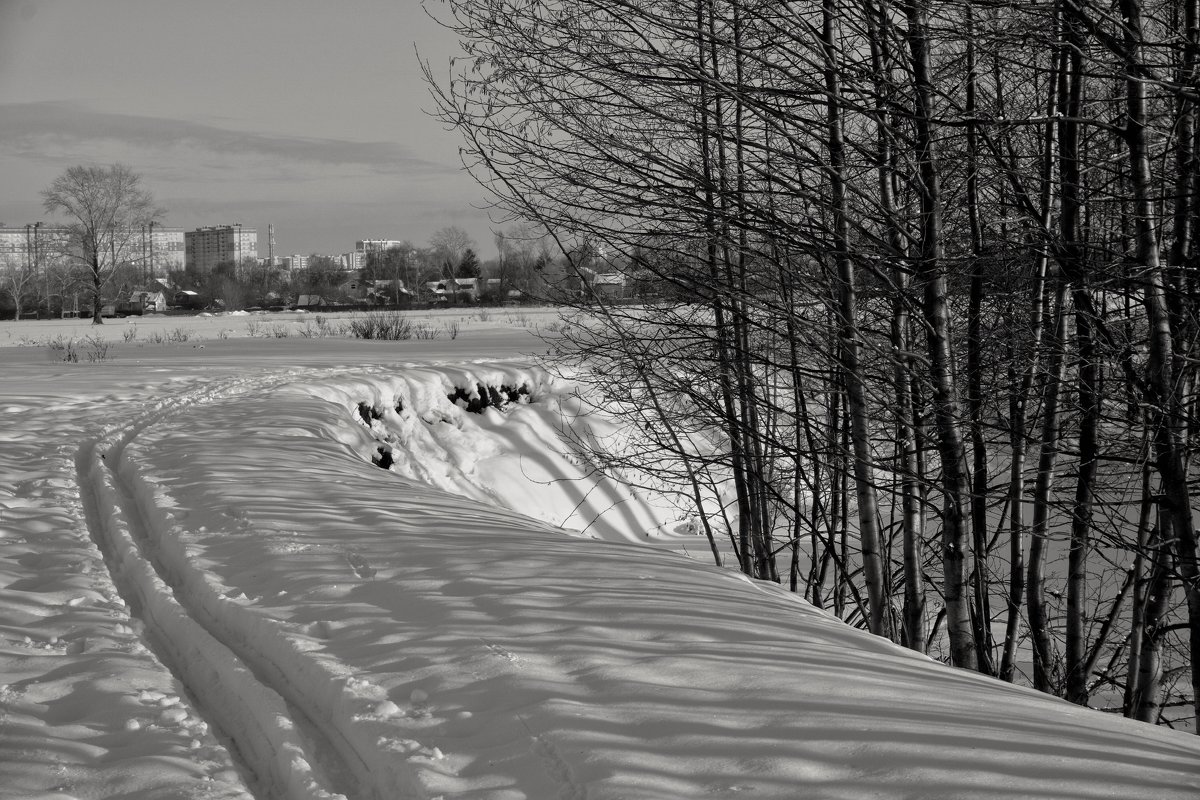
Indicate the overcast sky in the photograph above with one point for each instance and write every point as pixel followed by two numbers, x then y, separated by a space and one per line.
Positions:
pixel 302 113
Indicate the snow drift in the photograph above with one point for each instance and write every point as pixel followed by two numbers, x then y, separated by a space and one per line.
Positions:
pixel 482 619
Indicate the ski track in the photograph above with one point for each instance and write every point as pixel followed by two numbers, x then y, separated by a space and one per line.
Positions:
pixel 300 723
pixel 301 727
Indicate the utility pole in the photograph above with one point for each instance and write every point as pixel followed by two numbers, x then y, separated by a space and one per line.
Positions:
pixel 36 267
pixel 28 266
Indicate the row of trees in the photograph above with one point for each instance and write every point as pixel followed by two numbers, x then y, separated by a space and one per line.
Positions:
pixel 399 273
pixel 58 282
pixel 936 365
pixel 96 256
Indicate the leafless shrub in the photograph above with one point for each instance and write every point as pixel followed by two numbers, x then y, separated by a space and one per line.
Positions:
pixel 382 325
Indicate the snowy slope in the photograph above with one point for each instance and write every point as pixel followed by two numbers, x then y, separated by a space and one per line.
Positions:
pixel 430 630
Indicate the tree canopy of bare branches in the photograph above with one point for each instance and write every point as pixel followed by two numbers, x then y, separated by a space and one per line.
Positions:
pixel 106 208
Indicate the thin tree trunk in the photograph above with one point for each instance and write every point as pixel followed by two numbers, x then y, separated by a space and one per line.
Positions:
pixel 1035 588
pixel 850 343
pixel 1072 257
pixel 980 580
pixel 1141 594
pixel 931 271
pixel 1163 402
pixel 913 632
pixel 1081 512
pixel 1146 702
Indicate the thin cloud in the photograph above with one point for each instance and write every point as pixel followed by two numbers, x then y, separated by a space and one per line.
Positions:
pixel 41 130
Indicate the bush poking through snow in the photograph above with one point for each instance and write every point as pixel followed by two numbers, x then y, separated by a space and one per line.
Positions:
pixel 390 325
pixel 318 328
pixel 423 330
pixel 129 334
pixel 97 348
pixel 64 349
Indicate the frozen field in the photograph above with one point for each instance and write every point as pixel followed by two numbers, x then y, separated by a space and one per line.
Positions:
pixel 209 588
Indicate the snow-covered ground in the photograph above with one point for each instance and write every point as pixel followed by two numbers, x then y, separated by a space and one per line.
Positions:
pixel 209 588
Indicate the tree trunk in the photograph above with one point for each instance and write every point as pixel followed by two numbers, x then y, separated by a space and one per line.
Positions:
pixel 1147 695
pixel 980 580
pixel 1163 403
pixel 931 272
pixel 850 343
pixel 1073 259
pixel 1081 512
pixel 1035 589
pixel 97 285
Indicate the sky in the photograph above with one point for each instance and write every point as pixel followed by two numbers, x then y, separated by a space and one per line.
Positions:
pixel 304 114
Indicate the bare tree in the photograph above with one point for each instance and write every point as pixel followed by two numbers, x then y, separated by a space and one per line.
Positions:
pixel 106 207
pixel 18 279
pixel 449 245
pixel 909 287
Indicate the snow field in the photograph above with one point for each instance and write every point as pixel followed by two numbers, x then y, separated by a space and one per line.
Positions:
pixel 254 718
pixel 85 709
pixel 549 665
pixel 399 637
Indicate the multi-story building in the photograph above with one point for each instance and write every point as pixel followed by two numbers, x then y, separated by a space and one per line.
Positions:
pixel 205 248
pixel 295 262
pixel 376 245
pixel 162 250
pixel 358 258
pixel 33 245
pixel 154 248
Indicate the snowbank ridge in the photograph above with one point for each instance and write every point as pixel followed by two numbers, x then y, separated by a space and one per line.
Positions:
pixel 474 623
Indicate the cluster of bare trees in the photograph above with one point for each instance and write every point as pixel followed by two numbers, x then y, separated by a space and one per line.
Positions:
pixel 107 211
pixel 925 346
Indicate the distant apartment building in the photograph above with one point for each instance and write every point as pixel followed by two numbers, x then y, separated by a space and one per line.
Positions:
pixel 153 248
pixel 376 245
pixel 358 258
pixel 295 262
pixel 205 248
pixel 163 250
pixel 29 245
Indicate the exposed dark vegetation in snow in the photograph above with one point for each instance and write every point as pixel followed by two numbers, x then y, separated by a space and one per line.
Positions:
pixel 481 398
pixel 474 400
pixel 383 457
pixel 368 413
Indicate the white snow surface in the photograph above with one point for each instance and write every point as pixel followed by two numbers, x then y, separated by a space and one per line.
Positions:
pixel 209 590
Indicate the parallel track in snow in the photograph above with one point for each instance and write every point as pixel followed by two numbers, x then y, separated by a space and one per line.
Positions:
pixel 296 725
